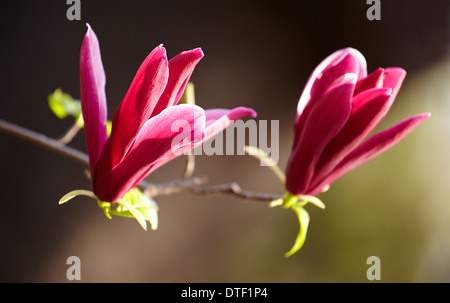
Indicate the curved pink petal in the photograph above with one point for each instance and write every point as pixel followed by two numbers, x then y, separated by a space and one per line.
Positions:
pixel 371 148
pixel 347 64
pixel 180 70
pixel 159 141
pixel 138 104
pixel 373 80
pixel 357 66
pixel 93 98
pixel 369 108
pixel 323 123
pixel 218 119
pixel 393 78
pixel 324 77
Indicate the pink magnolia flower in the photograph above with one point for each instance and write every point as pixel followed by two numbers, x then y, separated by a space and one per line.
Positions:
pixel 338 108
pixel 142 133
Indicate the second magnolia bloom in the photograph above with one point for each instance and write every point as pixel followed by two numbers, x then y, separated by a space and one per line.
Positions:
pixel 142 133
pixel 338 108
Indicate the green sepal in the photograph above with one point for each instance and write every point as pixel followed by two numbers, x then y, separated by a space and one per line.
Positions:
pixel 289 200
pixel 133 205
pixel 74 193
pixel 297 203
pixel 106 207
pixel 303 218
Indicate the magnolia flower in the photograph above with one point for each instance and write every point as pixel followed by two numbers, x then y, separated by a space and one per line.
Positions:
pixel 143 130
pixel 339 107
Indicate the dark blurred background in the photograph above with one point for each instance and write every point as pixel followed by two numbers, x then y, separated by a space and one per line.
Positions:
pixel 257 54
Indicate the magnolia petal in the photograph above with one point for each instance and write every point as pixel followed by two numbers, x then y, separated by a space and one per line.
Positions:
pixel 373 80
pixel 357 66
pixel 180 69
pixel 138 104
pixel 393 78
pixel 219 119
pixel 368 110
pixel 347 64
pixel 332 72
pixel 216 121
pixel 92 97
pixel 371 148
pixel 323 123
pixel 156 144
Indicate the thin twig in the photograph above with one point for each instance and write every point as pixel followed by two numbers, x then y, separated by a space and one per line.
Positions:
pixel 189 167
pixel 69 135
pixel 175 186
pixel 235 190
pixel 44 141
pixel 193 185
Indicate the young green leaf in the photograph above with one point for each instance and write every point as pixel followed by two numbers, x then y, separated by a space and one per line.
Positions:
pixel 63 105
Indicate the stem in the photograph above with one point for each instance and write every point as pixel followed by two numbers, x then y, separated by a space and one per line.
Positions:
pixel 44 141
pixel 190 166
pixel 235 190
pixel 69 135
pixel 175 186
pixel 193 185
